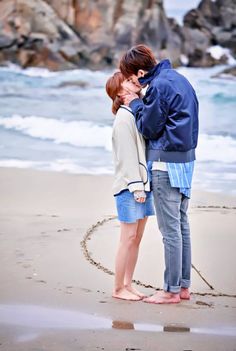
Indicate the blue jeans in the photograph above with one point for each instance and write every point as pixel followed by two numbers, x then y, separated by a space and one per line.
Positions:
pixel 171 210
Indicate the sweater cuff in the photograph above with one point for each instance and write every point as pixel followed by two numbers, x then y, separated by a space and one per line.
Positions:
pixel 135 104
pixel 135 186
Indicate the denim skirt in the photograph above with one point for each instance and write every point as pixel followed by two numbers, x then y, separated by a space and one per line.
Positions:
pixel 129 210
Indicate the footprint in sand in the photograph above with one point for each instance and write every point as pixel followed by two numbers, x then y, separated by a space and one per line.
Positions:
pixel 26 266
pixel 202 303
pixel 45 215
pixel 68 291
pixel 86 290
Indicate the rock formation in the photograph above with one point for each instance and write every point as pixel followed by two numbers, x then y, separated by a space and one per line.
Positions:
pixel 228 73
pixel 31 34
pixel 212 23
pixel 62 34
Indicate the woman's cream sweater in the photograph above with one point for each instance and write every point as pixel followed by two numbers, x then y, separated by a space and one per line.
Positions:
pixel 128 154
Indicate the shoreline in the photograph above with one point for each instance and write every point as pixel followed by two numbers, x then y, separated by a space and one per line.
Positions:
pixel 222 195
pixel 47 280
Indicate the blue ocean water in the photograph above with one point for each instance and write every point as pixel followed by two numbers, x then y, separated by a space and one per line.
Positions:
pixel 62 122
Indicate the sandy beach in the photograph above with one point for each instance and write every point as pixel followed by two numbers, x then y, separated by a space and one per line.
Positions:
pixel 58 241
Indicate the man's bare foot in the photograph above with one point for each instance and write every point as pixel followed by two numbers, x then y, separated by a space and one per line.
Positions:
pixel 185 294
pixel 134 291
pixel 163 298
pixel 124 294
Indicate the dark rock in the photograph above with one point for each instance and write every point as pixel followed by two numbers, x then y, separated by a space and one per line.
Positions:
pixel 210 11
pixel 225 38
pixel 212 23
pixel 228 73
pixel 33 34
pixel 195 46
pixel 196 20
pixel 43 58
pixel 7 42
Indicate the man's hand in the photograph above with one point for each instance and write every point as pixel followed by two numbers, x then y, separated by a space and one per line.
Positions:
pixel 128 97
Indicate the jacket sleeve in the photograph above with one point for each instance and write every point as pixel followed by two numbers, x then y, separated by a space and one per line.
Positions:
pixel 150 113
pixel 124 141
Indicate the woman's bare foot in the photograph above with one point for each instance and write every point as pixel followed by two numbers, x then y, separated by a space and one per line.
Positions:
pixel 135 291
pixel 124 294
pixel 185 294
pixel 163 298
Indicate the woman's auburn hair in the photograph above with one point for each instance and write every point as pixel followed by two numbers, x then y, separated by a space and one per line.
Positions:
pixel 138 57
pixel 113 88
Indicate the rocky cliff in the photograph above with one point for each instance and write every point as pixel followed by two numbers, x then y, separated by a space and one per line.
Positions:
pixel 62 34
pixel 212 23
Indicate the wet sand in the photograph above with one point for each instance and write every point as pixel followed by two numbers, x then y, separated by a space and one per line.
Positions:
pixel 56 293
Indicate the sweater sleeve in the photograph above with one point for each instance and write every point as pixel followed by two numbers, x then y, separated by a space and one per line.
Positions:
pixel 150 113
pixel 124 141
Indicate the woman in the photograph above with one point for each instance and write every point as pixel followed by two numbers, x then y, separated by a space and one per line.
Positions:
pixel 131 186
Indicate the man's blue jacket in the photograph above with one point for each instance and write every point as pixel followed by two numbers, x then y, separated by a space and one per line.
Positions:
pixel 168 115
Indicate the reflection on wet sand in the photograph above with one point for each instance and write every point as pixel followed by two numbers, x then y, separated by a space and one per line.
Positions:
pixel 150 327
pixel 122 325
pixel 176 328
pixel 35 319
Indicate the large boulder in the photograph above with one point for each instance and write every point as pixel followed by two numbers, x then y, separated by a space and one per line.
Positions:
pixel 107 28
pixel 110 27
pixel 65 9
pixel 33 34
pixel 222 17
pixel 212 23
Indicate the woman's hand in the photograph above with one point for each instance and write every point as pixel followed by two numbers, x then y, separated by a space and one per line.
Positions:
pixel 139 196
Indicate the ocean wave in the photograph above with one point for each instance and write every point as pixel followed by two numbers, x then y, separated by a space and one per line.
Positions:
pixel 73 75
pixel 59 165
pixel 215 148
pixel 76 133
pixel 218 51
pixel 30 72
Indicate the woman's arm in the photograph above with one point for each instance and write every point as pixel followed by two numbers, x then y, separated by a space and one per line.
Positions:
pixel 126 153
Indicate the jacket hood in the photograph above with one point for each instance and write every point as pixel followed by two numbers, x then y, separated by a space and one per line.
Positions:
pixel 154 72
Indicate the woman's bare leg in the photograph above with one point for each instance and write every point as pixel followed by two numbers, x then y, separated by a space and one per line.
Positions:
pixel 127 237
pixel 133 256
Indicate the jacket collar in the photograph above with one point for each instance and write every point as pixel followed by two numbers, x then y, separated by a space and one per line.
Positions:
pixel 154 72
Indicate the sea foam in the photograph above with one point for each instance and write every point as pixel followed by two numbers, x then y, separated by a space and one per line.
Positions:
pixel 215 148
pixel 76 133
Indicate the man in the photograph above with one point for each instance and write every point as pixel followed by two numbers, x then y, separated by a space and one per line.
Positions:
pixel 167 117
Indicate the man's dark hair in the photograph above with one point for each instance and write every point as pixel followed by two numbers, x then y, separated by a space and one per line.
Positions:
pixel 138 57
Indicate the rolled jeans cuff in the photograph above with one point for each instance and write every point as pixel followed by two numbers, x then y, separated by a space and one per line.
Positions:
pixel 185 283
pixel 172 289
